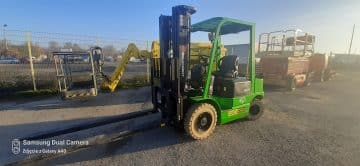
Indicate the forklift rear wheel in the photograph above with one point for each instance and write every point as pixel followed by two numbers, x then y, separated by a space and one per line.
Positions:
pixel 200 121
pixel 256 109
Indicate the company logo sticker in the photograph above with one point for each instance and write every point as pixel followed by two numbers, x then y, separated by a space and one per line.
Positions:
pixel 15 146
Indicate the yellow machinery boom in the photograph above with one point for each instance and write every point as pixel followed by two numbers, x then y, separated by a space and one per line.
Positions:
pixel 197 50
pixel 112 82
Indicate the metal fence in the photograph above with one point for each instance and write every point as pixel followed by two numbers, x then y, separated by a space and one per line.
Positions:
pixel 26 61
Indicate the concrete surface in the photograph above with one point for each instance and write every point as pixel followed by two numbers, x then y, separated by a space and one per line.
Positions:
pixel 23 118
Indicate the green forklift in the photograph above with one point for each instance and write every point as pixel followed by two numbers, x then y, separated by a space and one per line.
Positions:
pixel 213 92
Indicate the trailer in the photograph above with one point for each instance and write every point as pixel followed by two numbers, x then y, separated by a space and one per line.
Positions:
pixel 320 67
pixel 285 71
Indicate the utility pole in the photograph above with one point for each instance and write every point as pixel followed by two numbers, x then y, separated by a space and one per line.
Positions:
pixel 6 46
pixel 352 36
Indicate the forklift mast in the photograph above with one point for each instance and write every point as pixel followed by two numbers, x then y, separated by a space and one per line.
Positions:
pixel 212 92
pixel 174 61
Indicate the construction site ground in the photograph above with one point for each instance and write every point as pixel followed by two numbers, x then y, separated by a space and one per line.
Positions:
pixel 316 125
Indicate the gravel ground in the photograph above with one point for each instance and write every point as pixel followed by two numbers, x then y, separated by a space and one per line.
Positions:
pixel 317 125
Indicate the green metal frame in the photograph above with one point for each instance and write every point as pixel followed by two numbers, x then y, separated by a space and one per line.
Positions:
pixel 228 109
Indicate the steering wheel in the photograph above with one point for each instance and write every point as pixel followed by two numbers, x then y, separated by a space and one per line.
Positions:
pixel 218 63
pixel 204 60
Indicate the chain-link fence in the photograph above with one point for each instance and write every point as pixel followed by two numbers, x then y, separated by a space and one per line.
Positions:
pixel 26 61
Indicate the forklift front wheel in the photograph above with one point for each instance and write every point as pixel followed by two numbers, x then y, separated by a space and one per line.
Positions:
pixel 200 121
pixel 256 109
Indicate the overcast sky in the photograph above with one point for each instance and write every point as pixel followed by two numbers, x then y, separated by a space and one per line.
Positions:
pixel 331 21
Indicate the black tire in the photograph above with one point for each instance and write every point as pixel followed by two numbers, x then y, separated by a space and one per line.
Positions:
pixel 307 80
pixel 256 109
pixel 291 84
pixel 200 121
pixel 327 75
pixel 322 76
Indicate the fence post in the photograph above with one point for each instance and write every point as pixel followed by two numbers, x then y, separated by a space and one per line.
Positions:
pixel 31 60
pixel 147 64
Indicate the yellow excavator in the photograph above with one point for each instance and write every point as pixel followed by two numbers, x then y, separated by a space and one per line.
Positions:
pixel 112 82
pixel 73 67
pixel 67 62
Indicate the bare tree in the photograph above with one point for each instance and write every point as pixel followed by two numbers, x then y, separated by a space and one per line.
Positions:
pixel 74 47
pixel 110 50
pixel 145 54
pixel 53 46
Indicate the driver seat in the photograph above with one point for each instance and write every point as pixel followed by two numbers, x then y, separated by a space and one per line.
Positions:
pixel 229 67
pixel 227 82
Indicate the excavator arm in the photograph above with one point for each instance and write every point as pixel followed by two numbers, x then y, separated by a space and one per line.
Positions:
pixel 197 50
pixel 112 81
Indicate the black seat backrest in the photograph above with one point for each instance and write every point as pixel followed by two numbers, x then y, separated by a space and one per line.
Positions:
pixel 197 74
pixel 229 66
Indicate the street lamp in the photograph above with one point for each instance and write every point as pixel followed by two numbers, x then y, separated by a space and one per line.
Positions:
pixel 6 46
